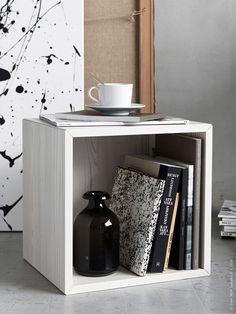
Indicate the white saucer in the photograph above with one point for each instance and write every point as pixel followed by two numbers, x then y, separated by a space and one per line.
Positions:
pixel 115 110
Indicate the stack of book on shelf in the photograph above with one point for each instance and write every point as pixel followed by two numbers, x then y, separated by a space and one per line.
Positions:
pixel 227 219
pixel 157 201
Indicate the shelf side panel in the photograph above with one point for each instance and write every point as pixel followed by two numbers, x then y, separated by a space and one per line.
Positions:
pixel 206 197
pixel 45 200
pixel 206 202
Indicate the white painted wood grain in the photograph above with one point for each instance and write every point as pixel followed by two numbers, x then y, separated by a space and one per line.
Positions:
pixel 138 129
pixel 124 278
pixel 59 169
pixel 97 131
pixel 47 206
pixel 206 197
pixel 206 201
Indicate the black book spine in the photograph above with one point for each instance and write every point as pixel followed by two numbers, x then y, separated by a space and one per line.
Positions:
pixel 188 238
pixel 160 241
pixel 177 254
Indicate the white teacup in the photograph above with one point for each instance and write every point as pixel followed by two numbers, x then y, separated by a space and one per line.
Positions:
pixel 112 94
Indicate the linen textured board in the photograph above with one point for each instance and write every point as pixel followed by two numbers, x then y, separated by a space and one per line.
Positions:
pixel 136 200
pixel 118 50
pixel 187 149
pixel 60 163
pixel 111 43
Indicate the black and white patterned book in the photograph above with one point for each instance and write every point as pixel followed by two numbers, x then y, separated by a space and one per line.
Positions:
pixel 136 200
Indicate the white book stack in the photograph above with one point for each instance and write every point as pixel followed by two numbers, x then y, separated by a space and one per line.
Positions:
pixel 227 219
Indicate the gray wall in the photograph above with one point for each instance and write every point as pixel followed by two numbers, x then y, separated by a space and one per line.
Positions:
pixel 196 75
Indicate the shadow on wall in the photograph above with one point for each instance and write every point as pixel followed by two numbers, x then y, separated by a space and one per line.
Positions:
pixel 196 76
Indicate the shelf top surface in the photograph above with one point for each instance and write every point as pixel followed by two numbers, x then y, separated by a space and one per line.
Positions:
pixel 113 130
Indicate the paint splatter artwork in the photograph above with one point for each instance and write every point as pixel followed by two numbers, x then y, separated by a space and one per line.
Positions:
pixel 41 70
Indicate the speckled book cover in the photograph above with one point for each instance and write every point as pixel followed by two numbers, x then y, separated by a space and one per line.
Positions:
pixel 136 200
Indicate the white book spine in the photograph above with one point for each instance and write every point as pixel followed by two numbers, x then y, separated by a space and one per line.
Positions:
pixel 228 234
pixel 229 229
pixel 227 222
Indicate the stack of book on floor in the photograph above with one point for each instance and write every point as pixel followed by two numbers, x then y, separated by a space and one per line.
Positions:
pixel 157 201
pixel 227 219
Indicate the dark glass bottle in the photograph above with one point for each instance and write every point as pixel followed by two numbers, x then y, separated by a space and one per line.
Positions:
pixel 96 237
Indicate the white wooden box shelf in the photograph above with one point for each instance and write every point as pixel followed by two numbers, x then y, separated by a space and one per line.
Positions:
pixel 60 164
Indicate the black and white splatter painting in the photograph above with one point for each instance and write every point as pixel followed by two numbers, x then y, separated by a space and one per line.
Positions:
pixel 41 70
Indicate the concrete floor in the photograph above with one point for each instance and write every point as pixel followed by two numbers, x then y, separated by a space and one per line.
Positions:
pixel 24 290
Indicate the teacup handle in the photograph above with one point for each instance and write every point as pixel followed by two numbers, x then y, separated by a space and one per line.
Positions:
pixel 90 93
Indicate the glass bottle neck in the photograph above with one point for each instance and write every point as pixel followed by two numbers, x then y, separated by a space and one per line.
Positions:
pixel 96 204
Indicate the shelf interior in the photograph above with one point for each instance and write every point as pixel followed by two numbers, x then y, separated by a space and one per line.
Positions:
pixel 124 274
pixel 124 278
pixel 96 160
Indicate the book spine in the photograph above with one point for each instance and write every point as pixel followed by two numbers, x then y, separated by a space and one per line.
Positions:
pixel 171 232
pixel 228 234
pixel 188 240
pixel 196 208
pixel 159 246
pixel 189 221
pixel 226 215
pixel 178 245
pixel 227 222
pixel 229 228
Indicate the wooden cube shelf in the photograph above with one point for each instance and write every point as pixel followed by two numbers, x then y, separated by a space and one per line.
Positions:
pixel 60 164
